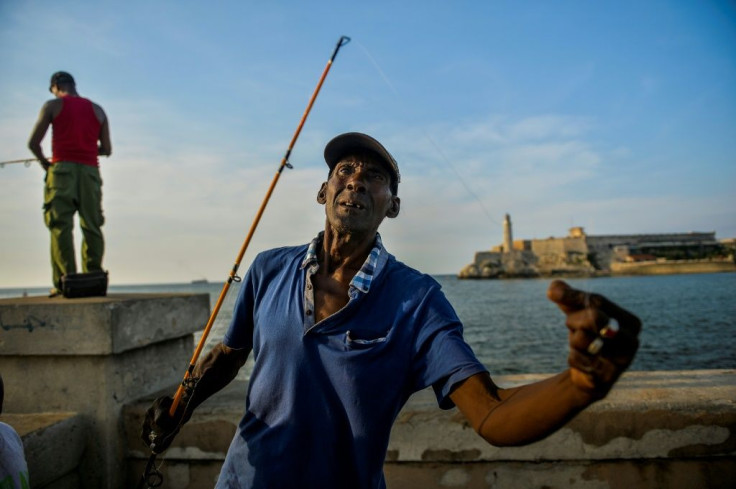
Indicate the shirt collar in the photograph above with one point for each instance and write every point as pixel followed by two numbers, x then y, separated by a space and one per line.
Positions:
pixel 364 277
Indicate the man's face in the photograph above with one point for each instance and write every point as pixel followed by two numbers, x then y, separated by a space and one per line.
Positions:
pixel 358 196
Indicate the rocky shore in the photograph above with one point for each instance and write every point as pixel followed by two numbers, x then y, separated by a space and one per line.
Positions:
pixel 650 267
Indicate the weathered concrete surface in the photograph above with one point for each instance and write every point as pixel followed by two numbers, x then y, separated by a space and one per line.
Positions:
pixel 92 356
pixel 97 325
pixel 604 474
pixel 54 444
pixel 655 430
pixel 648 415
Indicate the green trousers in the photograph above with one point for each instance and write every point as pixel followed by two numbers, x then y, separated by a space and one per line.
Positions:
pixel 73 188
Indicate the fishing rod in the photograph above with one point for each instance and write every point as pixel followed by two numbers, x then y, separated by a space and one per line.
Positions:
pixel 233 277
pixel 27 162
pixel 151 476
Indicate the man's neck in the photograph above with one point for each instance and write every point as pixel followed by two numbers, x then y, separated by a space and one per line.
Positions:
pixel 65 93
pixel 344 253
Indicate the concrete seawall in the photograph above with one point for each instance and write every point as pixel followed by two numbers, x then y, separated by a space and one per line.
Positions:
pixel 88 358
pixel 655 430
pixel 80 374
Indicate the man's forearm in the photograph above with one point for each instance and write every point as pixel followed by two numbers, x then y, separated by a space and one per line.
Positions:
pixel 531 412
pixel 38 153
pixel 39 131
pixel 105 146
pixel 216 370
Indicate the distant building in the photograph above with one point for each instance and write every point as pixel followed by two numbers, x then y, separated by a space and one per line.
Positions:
pixel 583 255
pixel 507 234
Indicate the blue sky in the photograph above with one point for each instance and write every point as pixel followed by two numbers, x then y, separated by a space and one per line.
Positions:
pixel 616 116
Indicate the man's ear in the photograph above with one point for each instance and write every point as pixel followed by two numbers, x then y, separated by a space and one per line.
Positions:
pixel 393 211
pixel 322 194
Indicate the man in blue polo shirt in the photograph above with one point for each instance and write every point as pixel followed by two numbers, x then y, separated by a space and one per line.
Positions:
pixel 342 334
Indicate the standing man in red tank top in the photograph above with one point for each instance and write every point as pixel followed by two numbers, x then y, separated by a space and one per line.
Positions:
pixel 73 185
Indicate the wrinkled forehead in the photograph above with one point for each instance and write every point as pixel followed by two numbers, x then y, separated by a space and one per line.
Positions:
pixel 366 159
pixel 369 163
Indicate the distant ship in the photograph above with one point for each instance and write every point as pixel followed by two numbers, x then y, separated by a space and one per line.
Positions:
pixel 200 281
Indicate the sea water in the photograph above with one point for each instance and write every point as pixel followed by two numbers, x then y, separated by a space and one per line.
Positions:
pixel 689 321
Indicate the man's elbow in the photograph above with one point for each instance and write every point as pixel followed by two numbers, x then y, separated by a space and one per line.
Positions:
pixel 500 437
pixel 104 150
pixel 493 439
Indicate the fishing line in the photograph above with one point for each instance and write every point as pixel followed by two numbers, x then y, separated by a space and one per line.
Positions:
pixel 585 282
pixel 428 137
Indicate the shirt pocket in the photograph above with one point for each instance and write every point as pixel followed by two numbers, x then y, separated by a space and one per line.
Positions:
pixel 364 339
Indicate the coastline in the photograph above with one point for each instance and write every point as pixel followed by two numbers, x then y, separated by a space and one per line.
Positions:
pixel 617 269
pixel 673 267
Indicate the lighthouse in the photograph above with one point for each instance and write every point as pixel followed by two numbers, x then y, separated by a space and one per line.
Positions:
pixel 508 239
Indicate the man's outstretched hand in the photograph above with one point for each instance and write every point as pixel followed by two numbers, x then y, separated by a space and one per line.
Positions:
pixel 603 337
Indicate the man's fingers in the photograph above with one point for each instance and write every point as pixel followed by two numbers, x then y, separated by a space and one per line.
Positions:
pixel 593 373
pixel 603 337
pixel 566 298
pixel 570 300
pixel 592 320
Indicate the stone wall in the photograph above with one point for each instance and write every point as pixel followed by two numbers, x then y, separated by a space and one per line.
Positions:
pixel 92 356
pixel 655 430
pixel 54 446
pixel 611 240
pixel 560 246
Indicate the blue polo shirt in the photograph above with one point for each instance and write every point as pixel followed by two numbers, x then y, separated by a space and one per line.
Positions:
pixel 322 397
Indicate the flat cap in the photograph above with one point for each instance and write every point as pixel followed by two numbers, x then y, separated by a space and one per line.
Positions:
pixel 351 142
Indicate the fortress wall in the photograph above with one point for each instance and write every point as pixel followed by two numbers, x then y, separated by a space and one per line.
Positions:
pixel 487 256
pixel 522 245
pixel 637 239
pixel 548 246
pixel 559 246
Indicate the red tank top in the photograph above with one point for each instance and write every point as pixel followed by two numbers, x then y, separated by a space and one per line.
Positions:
pixel 76 131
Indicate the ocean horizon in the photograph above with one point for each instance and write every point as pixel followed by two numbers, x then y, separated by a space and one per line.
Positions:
pixel 689 321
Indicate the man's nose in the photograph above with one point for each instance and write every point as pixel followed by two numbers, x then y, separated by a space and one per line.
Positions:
pixel 356 182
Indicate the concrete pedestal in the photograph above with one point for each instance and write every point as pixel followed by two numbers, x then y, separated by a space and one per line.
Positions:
pixel 92 356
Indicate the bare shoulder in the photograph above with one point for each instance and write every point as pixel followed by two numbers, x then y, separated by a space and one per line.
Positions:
pixel 50 110
pixel 53 106
pixel 99 112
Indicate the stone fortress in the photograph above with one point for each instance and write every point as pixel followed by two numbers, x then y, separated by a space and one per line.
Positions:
pixel 580 254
